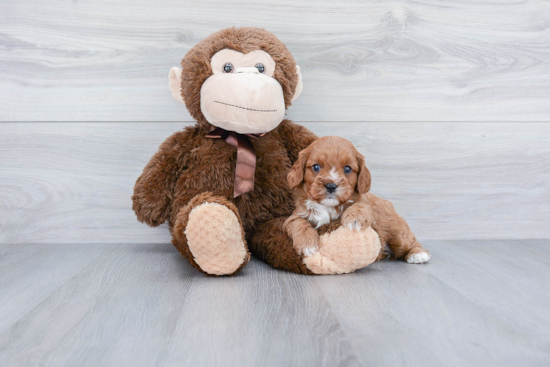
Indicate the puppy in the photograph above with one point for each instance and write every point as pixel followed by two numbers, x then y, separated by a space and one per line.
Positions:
pixel 332 183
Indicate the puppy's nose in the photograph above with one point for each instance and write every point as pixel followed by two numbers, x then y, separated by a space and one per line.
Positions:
pixel 331 187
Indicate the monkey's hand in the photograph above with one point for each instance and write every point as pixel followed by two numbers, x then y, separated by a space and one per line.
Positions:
pixel 153 189
pixel 150 200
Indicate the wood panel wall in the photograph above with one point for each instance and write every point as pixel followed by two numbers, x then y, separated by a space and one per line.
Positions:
pixel 449 100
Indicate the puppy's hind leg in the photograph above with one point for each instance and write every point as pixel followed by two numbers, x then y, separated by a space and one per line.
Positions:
pixel 405 246
pixel 417 255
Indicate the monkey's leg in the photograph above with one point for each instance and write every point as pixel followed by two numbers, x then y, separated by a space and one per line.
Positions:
pixel 270 243
pixel 209 233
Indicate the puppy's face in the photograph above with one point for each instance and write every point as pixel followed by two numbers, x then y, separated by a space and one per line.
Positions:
pixel 330 171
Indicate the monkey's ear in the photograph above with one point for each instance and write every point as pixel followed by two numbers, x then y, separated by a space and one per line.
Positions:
pixel 299 86
pixel 174 82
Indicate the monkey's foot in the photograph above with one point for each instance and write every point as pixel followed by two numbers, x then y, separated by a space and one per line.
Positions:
pixel 344 251
pixel 215 239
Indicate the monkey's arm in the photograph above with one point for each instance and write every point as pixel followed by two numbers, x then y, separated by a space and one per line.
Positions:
pixel 154 188
pixel 295 138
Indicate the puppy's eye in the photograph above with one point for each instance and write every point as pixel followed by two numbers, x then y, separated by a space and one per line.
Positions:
pixel 347 169
pixel 261 68
pixel 316 168
pixel 228 68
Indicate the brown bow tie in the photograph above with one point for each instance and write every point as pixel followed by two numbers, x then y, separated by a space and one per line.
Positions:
pixel 246 158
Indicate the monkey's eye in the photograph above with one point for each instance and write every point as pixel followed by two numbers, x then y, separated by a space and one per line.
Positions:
pixel 261 68
pixel 347 169
pixel 316 168
pixel 228 68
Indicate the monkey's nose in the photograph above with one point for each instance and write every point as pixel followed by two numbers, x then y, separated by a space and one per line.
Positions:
pixel 247 70
pixel 331 187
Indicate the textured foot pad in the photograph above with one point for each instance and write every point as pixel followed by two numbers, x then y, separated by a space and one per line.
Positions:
pixel 344 251
pixel 215 239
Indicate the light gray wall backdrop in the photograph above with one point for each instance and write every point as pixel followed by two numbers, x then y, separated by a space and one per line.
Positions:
pixel 448 100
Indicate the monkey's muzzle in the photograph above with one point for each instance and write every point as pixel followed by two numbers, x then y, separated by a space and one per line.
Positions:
pixel 247 103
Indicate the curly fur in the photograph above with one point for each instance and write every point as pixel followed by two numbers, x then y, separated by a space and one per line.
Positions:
pixel 332 154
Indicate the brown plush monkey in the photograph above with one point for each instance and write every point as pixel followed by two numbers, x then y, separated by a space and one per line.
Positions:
pixel 222 183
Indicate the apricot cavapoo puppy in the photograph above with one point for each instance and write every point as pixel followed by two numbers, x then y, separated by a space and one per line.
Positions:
pixel 332 184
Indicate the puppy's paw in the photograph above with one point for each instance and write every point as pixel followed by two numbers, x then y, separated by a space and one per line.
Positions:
pixel 418 257
pixel 310 250
pixel 355 225
pixel 307 244
pixel 355 218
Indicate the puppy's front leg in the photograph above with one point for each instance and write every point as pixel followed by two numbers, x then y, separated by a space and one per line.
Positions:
pixel 304 237
pixel 357 216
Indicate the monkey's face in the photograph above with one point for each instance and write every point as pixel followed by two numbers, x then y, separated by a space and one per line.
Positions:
pixel 246 89
pixel 242 94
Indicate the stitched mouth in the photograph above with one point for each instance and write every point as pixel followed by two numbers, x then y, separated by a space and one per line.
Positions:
pixel 244 108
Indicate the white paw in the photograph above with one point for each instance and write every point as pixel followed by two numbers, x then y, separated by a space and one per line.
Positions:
pixel 419 258
pixel 310 250
pixel 355 225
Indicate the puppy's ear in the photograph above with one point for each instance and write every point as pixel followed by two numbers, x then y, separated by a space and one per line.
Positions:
pixel 363 176
pixel 296 175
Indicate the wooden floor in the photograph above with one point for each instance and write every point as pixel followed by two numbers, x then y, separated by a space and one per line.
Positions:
pixel 477 303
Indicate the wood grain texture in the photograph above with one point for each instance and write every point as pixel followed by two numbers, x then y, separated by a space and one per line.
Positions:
pixel 72 182
pixel 396 60
pixel 476 303
pixel 145 305
pixel 30 273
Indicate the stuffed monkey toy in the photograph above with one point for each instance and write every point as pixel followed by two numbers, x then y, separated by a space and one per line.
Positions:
pixel 222 183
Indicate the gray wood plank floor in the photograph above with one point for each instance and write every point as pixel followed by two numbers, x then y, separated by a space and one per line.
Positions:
pixel 477 303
